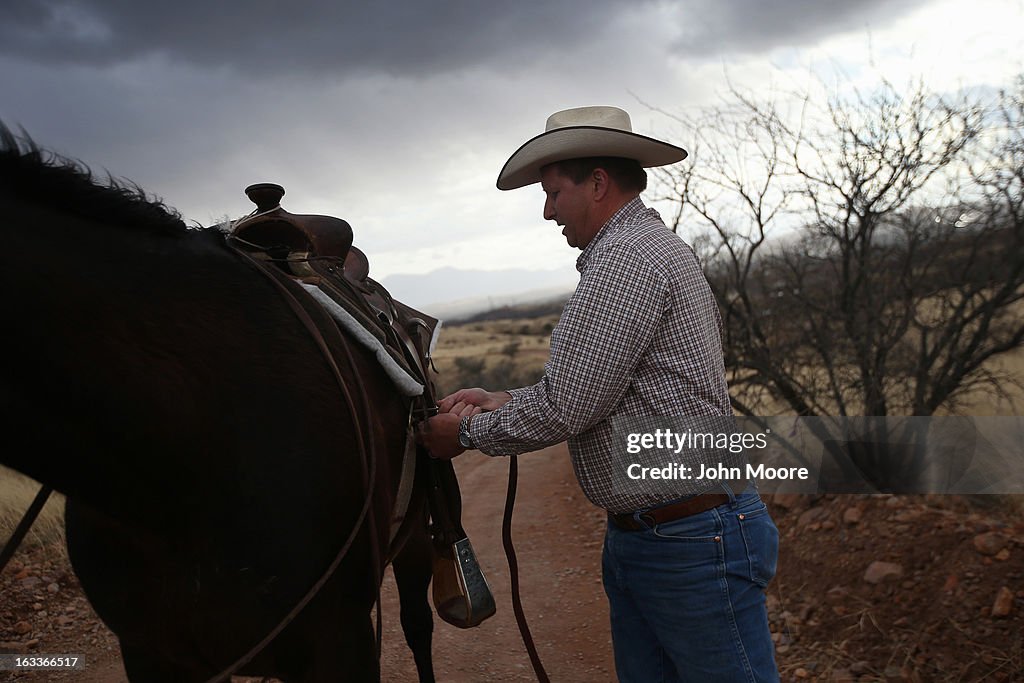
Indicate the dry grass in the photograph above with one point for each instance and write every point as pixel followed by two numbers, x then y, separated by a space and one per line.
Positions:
pixel 1009 400
pixel 498 354
pixel 16 494
pixel 491 338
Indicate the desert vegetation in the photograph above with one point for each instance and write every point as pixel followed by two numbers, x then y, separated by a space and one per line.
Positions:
pixel 866 246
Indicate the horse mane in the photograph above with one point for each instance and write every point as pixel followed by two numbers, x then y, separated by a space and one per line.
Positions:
pixel 58 182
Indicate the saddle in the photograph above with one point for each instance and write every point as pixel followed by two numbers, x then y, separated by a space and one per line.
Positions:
pixel 317 252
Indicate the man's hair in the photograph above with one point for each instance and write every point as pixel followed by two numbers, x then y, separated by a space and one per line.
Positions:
pixel 628 174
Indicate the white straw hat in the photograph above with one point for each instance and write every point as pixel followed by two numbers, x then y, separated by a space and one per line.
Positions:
pixel 584 132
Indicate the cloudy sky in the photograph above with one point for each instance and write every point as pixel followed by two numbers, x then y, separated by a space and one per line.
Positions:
pixel 397 115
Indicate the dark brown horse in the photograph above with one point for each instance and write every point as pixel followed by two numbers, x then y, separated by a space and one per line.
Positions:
pixel 208 456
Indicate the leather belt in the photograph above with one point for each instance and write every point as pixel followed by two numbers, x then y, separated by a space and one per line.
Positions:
pixel 670 512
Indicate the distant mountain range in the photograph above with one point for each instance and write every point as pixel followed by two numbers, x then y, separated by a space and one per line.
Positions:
pixel 452 293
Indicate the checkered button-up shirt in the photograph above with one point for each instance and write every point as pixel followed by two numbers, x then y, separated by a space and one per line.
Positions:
pixel 641 336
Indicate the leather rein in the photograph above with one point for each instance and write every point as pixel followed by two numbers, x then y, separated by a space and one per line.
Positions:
pixel 513 571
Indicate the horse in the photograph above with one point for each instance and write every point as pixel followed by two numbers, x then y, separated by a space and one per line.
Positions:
pixel 210 460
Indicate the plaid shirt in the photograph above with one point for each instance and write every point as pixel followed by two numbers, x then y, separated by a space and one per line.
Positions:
pixel 641 336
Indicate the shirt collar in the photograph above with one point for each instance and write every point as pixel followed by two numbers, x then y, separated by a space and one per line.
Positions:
pixel 618 219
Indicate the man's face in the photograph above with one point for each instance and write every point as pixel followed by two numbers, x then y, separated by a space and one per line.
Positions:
pixel 570 205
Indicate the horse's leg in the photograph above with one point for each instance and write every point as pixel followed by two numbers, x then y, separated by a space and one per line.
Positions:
pixel 413 568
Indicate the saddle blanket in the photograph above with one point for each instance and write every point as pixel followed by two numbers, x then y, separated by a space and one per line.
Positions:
pixel 407 384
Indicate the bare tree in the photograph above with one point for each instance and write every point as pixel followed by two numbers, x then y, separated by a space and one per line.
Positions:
pixel 865 249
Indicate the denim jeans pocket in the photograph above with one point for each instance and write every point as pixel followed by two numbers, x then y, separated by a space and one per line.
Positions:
pixel 761 540
pixel 701 528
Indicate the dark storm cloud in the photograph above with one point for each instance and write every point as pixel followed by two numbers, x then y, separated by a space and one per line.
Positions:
pixel 409 37
pixel 404 36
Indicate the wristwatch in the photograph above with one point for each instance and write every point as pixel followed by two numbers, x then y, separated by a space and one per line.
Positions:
pixel 465 440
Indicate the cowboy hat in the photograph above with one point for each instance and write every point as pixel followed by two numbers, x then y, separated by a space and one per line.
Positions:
pixel 584 132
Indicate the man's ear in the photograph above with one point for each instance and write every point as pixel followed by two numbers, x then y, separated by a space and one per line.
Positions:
pixel 599 179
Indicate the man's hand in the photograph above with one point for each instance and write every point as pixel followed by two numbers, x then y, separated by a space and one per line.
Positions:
pixel 440 435
pixel 464 399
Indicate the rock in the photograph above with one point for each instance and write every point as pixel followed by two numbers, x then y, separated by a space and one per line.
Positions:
pixel 792 620
pixel 1003 604
pixel 989 543
pixel 853 515
pixel 811 516
pixel 951 583
pixel 53 588
pixel 788 501
pixel 878 571
pixel 802 673
pixel 22 627
pixel 893 673
pixel 837 595
pixel 861 667
pixel 1003 555
pixel 30 582
pixel 843 676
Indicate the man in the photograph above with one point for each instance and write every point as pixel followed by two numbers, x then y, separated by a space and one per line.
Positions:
pixel 640 337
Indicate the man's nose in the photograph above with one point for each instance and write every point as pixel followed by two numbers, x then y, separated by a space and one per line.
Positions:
pixel 549 210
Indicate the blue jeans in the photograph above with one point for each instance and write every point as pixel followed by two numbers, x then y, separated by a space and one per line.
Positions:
pixel 687 597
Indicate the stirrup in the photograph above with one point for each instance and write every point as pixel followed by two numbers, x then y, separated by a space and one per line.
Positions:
pixel 461 594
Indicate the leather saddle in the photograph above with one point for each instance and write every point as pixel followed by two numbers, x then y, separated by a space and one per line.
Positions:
pixel 317 250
